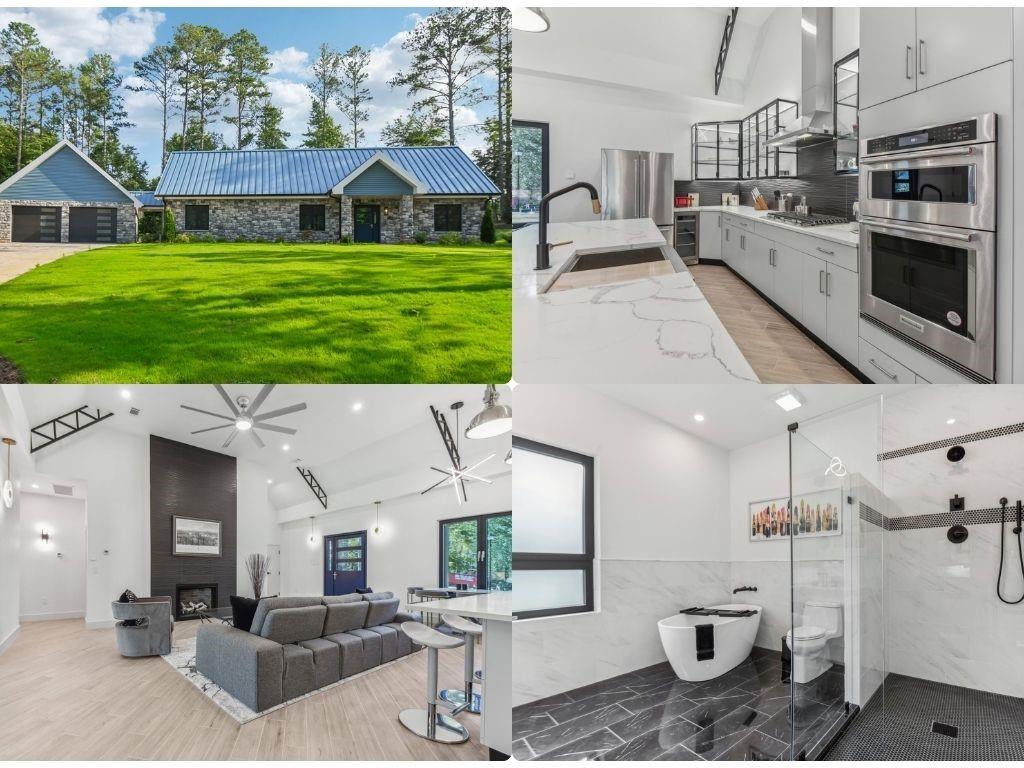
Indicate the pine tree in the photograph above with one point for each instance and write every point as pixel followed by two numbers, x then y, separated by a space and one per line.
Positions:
pixel 323 131
pixel 26 70
pixel 487 234
pixel 156 70
pixel 419 128
pixel 269 134
pixel 100 86
pixel 247 65
pixel 354 95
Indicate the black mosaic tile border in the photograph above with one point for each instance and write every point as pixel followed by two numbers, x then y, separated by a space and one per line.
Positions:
pixel 936 520
pixel 949 442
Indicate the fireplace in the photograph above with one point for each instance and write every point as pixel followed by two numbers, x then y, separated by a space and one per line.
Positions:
pixel 190 599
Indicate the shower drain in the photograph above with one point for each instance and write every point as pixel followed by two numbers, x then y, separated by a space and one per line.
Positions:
pixel 945 729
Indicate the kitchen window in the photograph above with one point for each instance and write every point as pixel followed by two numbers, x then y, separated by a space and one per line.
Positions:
pixel 476 552
pixel 312 218
pixel 529 170
pixel 197 217
pixel 448 218
pixel 553 557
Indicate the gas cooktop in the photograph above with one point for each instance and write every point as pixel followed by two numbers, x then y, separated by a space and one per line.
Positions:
pixel 808 220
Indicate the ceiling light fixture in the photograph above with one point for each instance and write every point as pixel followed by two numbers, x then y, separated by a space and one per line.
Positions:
pixel 8 491
pixel 456 474
pixel 45 536
pixel 286 447
pixel 508 457
pixel 698 417
pixel 789 400
pixel 243 422
pixel 951 421
pixel 245 416
pixel 530 20
pixel 270 481
pixel 377 530
pixel 495 419
pixel 126 393
pixel 357 407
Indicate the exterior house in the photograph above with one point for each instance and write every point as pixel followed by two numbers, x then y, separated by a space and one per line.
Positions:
pixel 64 197
pixel 382 195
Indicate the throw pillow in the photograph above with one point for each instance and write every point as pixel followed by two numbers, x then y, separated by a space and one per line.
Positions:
pixel 363 590
pixel 242 611
pixel 127 597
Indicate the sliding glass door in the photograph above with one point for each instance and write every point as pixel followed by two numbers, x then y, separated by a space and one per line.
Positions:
pixel 476 552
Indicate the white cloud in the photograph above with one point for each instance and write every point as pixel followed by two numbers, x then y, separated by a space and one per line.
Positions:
pixel 289 61
pixel 294 101
pixel 73 32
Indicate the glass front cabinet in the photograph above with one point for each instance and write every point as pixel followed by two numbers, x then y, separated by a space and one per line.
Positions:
pixel 761 161
pixel 715 150
pixel 846 98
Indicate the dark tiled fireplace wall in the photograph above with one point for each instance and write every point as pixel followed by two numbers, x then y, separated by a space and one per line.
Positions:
pixel 826 192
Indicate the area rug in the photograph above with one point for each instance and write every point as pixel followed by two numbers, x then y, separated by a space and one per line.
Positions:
pixel 183 658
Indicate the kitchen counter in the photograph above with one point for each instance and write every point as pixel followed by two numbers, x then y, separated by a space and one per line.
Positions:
pixel 657 329
pixel 836 233
pixel 492 605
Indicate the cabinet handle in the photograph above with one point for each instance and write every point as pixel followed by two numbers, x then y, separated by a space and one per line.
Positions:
pixel 821 281
pixel 828 283
pixel 910 69
pixel 727 235
pixel 743 242
pixel 719 221
pixel 920 56
pixel 891 376
pixel 826 251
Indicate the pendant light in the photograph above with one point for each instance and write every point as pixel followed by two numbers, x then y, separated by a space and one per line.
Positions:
pixel 530 20
pixel 8 492
pixel 495 419
pixel 312 535
pixel 377 530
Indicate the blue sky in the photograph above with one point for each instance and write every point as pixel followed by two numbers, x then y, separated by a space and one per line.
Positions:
pixel 292 35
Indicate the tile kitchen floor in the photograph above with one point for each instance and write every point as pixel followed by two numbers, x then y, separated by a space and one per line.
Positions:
pixel 651 714
pixel 776 349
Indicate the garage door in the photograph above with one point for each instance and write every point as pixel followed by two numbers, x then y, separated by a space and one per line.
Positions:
pixel 92 225
pixel 35 224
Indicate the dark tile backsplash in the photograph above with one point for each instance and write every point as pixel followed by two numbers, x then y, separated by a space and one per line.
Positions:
pixel 826 193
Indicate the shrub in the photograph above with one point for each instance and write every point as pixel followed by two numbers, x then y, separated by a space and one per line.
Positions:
pixel 346 239
pixel 170 227
pixel 450 239
pixel 181 237
pixel 420 237
pixel 487 225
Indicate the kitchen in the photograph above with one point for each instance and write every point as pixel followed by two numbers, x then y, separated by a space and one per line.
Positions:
pixel 808 195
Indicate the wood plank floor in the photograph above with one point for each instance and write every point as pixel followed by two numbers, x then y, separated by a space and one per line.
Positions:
pixel 777 350
pixel 66 693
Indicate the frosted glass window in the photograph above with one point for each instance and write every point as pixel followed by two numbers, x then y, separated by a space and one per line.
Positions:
pixel 548 504
pixel 547 590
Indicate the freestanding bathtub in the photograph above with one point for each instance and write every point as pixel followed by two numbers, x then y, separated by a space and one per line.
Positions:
pixel 734 637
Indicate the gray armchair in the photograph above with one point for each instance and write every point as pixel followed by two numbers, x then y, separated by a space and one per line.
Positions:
pixel 151 635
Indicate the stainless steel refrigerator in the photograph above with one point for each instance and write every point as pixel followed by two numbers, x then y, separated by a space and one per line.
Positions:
pixel 638 185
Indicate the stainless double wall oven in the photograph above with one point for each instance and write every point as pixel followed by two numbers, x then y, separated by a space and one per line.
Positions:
pixel 928 239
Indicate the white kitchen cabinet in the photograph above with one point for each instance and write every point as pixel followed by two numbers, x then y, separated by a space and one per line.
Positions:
pixel 952 42
pixel 813 304
pixel 757 260
pixel 710 235
pixel 888 44
pixel 787 279
pixel 842 302
pixel 730 245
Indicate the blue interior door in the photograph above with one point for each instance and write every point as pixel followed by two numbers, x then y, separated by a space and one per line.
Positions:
pixel 367 223
pixel 344 563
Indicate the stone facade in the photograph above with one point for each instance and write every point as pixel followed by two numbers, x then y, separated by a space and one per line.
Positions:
pixel 127 220
pixel 266 218
pixel 472 215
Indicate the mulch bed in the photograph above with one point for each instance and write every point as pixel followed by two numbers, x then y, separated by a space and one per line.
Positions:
pixel 9 374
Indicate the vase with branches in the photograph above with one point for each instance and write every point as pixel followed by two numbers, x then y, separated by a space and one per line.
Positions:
pixel 257 565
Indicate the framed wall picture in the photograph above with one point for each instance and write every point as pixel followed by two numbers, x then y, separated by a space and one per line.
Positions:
pixel 813 514
pixel 196 538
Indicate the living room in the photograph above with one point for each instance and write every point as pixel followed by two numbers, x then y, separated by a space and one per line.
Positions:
pixel 139 525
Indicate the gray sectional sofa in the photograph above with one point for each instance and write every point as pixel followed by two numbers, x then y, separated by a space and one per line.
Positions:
pixel 299 644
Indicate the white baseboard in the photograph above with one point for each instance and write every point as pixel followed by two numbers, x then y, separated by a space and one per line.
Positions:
pixel 101 624
pixel 6 642
pixel 27 617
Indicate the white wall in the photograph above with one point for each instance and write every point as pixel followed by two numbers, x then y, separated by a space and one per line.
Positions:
pixel 404 555
pixel 52 587
pixel 775 69
pixel 10 538
pixel 256 521
pixel 845 31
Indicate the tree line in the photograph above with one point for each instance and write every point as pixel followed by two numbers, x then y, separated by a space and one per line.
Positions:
pixel 205 80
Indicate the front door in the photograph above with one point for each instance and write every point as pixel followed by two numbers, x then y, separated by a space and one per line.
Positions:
pixel 344 563
pixel 367 223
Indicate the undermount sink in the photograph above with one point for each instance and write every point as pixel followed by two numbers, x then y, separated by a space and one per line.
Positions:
pixel 606 259
pixel 596 268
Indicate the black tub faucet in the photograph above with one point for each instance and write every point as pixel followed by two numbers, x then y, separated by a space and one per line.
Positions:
pixel 744 589
pixel 543 246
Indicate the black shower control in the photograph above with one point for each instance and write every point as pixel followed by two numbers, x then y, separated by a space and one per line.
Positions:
pixel 956 504
pixel 957 534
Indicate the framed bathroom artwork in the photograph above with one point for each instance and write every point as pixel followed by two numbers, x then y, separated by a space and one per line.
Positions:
pixel 814 514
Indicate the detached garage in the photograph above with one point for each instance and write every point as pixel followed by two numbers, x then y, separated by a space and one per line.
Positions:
pixel 64 197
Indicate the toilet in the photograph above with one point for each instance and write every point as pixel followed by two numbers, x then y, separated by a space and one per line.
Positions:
pixel 808 643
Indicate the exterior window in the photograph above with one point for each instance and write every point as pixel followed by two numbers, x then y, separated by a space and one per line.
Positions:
pixel 476 552
pixel 313 217
pixel 448 218
pixel 553 552
pixel 529 170
pixel 197 217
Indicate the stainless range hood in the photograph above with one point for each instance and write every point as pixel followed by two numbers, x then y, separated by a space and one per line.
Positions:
pixel 816 124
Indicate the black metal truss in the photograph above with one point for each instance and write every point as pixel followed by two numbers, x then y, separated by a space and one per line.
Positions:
pixel 314 485
pixel 723 49
pixel 451 445
pixel 65 425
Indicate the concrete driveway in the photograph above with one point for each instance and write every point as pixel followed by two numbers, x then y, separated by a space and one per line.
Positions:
pixel 18 258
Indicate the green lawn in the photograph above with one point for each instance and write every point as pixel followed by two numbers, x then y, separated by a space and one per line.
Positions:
pixel 241 312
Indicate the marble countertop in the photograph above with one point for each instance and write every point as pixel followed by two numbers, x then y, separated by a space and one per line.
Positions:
pixel 494 606
pixel 836 233
pixel 658 329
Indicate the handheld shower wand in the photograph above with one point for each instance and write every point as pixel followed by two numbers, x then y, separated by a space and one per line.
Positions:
pixel 1020 549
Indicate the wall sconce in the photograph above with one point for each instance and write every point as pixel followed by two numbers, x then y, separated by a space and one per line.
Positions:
pixel 45 536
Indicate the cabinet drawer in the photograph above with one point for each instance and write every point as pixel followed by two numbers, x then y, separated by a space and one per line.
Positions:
pixel 881 368
pixel 736 221
pixel 844 256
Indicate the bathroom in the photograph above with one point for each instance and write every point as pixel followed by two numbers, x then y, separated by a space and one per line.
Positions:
pixel 869 521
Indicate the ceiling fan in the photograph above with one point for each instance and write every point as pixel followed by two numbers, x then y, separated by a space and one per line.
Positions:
pixel 456 475
pixel 245 417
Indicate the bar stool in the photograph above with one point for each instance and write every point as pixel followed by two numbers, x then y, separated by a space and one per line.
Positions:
pixel 429 723
pixel 472 631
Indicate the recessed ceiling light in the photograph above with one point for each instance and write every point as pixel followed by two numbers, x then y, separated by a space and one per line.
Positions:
pixel 530 20
pixel 126 393
pixel 789 400
pixel 35 485
pixel 698 417
pixel 357 407
pixel 270 481
pixel 951 421
pixel 286 447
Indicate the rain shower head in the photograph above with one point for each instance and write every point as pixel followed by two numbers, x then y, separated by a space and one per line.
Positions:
pixel 956 453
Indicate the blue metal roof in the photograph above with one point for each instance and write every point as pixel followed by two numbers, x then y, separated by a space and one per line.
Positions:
pixel 280 172
pixel 148 199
